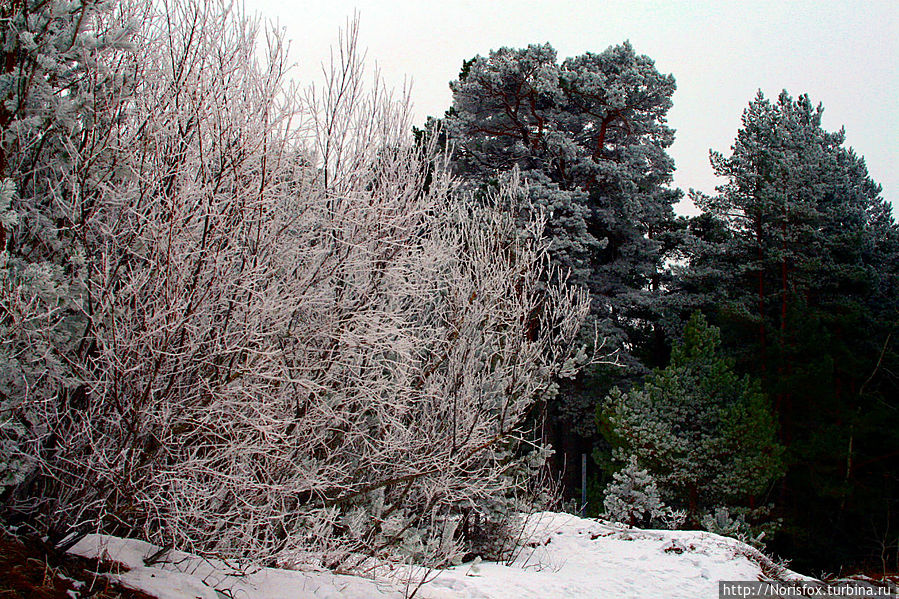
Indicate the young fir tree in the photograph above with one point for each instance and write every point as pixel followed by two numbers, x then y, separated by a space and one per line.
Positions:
pixel 706 435
pixel 798 265
pixel 633 498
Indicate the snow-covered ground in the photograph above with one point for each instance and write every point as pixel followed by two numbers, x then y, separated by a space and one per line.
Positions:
pixel 567 557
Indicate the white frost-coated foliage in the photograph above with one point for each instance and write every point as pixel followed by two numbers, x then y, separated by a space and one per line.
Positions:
pixel 633 498
pixel 291 339
pixel 723 523
pixel 731 522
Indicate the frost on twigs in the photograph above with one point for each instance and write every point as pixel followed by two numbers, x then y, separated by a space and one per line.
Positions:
pixel 266 327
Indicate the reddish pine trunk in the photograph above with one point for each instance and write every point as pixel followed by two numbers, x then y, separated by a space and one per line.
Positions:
pixel 784 400
pixel 601 138
pixel 761 292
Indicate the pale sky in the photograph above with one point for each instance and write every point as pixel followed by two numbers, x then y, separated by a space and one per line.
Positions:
pixel 841 52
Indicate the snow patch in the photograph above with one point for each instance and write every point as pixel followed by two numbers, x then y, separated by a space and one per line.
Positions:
pixel 566 558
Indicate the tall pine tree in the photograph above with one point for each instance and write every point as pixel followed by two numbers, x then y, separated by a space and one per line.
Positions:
pixel 799 265
pixel 589 136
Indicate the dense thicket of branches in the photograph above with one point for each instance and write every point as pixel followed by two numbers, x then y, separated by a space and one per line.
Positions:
pixel 239 319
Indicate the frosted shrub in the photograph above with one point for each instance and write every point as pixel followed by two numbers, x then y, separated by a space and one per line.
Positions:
pixel 243 320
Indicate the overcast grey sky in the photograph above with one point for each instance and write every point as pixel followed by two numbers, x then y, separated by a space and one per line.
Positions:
pixel 841 52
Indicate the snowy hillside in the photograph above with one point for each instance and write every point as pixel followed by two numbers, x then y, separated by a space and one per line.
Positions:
pixel 568 557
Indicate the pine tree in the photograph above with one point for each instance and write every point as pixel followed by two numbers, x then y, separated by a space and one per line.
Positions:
pixel 633 498
pixel 798 267
pixel 706 435
pixel 589 138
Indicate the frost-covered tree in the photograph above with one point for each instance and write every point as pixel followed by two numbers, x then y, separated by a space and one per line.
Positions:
pixel 243 320
pixel 589 137
pixel 707 436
